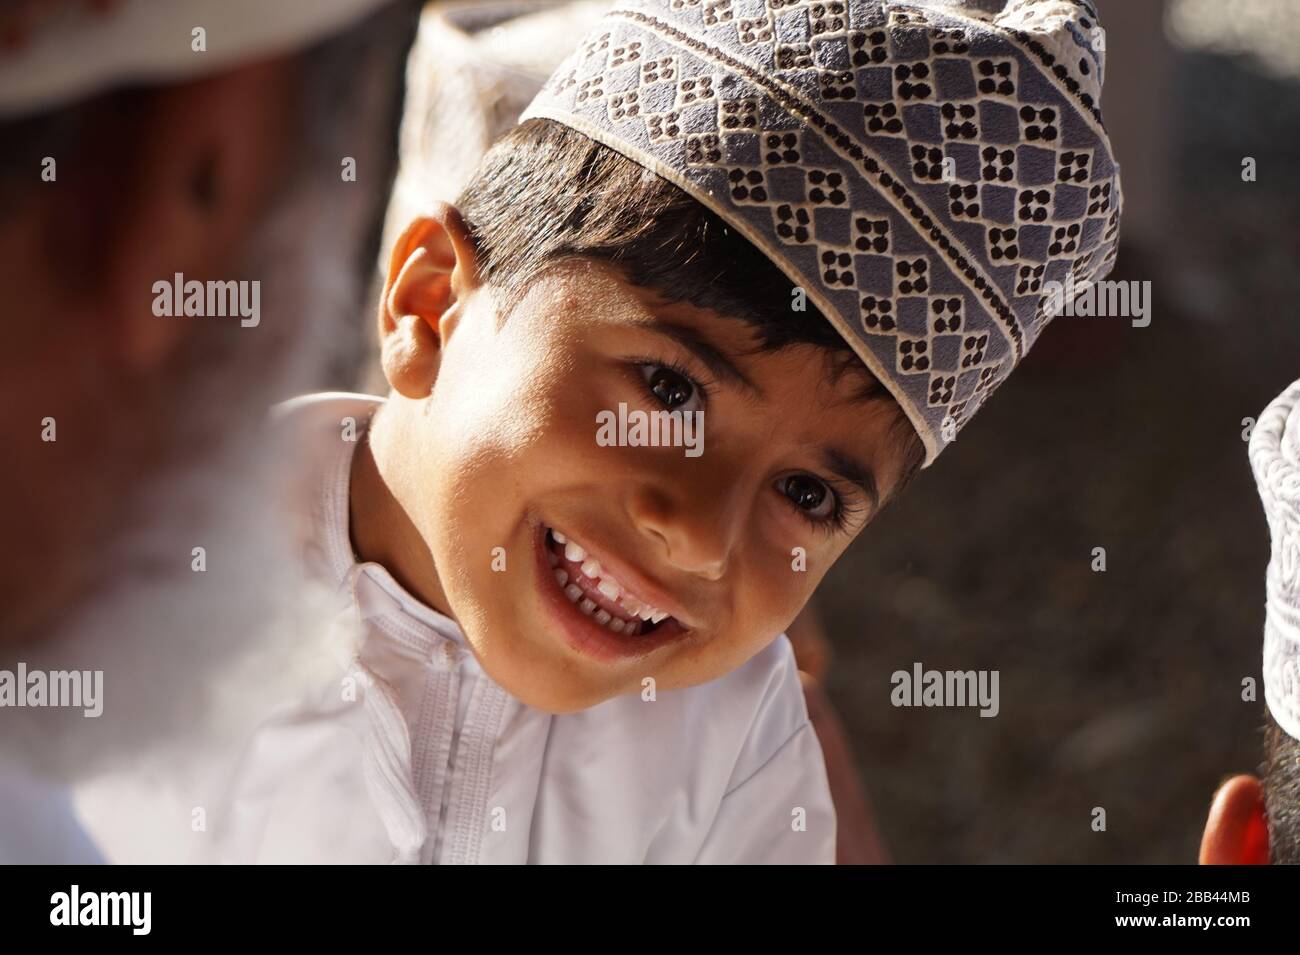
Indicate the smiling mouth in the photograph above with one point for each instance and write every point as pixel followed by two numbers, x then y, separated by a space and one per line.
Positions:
pixel 598 594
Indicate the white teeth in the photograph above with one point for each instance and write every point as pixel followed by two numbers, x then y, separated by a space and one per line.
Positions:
pixel 606 585
pixel 551 558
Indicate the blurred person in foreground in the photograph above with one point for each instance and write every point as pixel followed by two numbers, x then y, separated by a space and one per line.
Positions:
pixel 148 140
pixel 1256 820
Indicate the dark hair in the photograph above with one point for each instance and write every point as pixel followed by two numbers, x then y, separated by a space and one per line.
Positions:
pixel 1280 775
pixel 545 193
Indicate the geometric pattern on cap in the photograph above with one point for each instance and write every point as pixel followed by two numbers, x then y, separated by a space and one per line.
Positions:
pixel 920 172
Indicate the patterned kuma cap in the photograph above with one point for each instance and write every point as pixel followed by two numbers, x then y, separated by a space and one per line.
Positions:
pixel 922 171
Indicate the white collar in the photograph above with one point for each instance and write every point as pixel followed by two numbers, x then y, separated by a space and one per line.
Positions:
pixel 378 594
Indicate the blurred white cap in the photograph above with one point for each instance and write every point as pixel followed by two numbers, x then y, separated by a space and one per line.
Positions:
pixel 474 67
pixel 76 49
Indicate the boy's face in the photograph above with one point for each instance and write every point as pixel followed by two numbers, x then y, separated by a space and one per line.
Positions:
pixel 495 450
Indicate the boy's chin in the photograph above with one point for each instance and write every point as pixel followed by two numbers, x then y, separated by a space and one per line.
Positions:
pixel 536 668
pixel 551 687
pixel 547 649
pixel 530 663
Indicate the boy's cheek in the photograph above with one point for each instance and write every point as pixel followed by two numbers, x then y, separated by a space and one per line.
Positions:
pixel 794 575
pixel 770 599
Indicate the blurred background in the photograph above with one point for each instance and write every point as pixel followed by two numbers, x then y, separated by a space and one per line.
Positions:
pixel 1120 690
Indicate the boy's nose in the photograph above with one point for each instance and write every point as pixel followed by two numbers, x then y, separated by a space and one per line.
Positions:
pixel 694 530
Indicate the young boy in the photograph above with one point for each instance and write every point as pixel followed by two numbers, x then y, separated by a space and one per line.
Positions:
pixel 817 234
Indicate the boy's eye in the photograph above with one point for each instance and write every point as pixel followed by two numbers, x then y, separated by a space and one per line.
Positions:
pixel 673 389
pixel 813 498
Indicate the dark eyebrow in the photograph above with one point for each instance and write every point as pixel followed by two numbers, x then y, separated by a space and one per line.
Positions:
pixel 853 471
pixel 696 342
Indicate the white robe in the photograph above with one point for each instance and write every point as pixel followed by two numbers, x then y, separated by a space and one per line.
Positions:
pixel 435 763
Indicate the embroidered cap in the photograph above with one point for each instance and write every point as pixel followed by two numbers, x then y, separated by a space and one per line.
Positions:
pixel 922 172
pixel 1275 459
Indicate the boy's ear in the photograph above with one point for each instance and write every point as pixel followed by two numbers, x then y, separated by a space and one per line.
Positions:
pixel 432 269
pixel 1236 833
